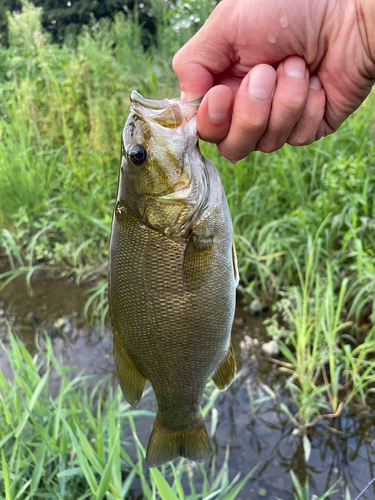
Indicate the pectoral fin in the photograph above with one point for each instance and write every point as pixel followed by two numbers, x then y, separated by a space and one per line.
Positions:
pixel 131 381
pixel 226 370
pixel 197 261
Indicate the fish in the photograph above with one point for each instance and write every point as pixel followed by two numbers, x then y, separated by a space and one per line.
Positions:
pixel 172 275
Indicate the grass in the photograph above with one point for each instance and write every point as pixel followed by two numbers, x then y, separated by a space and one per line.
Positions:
pixel 302 492
pixel 79 443
pixel 328 366
pixel 59 153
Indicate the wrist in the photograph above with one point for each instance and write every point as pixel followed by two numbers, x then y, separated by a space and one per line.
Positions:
pixel 366 21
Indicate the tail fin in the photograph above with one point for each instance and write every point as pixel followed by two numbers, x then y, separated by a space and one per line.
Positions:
pixel 165 445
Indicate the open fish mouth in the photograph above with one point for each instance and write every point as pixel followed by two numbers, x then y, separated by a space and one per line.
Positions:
pixel 136 97
pixel 161 103
pixel 170 113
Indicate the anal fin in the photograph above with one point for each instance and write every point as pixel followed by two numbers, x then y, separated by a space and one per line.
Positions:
pixel 164 445
pixel 131 381
pixel 226 371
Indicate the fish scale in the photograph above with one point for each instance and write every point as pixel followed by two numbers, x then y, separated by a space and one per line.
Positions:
pixel 172 280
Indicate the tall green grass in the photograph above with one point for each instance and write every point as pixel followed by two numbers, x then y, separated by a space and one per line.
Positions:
pixel 72 442
pixel 328 366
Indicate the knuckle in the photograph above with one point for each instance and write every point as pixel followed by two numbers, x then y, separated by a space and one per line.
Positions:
pixel 210 137
pixel 250 124
pixel 211 133
pixel 304 132
pixel 268 147
pixel 300 140
pixel 271 141
pixel 245 131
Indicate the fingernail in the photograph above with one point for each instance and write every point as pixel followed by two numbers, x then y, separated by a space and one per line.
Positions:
pixel 295 66
pixel 219 105
pixel 315 83
pixel 262 80
pixel 183 97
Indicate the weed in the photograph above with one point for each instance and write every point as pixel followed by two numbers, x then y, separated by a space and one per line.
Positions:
pixel 325 372
pixel 302 492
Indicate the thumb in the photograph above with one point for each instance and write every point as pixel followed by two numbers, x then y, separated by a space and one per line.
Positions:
pixel 202 58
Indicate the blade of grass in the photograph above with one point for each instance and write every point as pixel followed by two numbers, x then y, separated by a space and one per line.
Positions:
pixel 5 476
pixel 164 490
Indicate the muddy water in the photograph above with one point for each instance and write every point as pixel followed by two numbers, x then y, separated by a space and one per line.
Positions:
pixel 343 450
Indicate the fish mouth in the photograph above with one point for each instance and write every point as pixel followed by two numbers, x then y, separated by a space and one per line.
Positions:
pixel 170 113
pixel 136 97
pixel 161 103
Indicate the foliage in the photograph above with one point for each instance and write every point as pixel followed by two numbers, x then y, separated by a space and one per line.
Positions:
pixel 327 370
pixel 63 110
pixel 79 443
pixel 303 491
pixel 65 19
pixel 24 25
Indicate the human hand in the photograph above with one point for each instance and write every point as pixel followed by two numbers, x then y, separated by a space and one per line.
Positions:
pixel 276 72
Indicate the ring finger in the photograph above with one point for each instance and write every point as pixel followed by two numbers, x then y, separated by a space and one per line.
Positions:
pixel 288 103
pixel 251 113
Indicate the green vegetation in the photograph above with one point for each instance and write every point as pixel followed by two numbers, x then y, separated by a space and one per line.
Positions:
pixel 330 361
pixel 303 491
pixel 62 19
pixel 62 112
pixel 303 219
pixel 77 444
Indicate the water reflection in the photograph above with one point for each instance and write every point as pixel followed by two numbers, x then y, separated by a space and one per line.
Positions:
pixel 249 422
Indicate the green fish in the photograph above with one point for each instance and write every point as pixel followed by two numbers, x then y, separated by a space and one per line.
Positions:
pixel 173 275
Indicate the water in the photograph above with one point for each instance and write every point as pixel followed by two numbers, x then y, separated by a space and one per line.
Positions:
pixel 343 449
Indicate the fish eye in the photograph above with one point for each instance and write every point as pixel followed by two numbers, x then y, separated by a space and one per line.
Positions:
pixel 138 154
